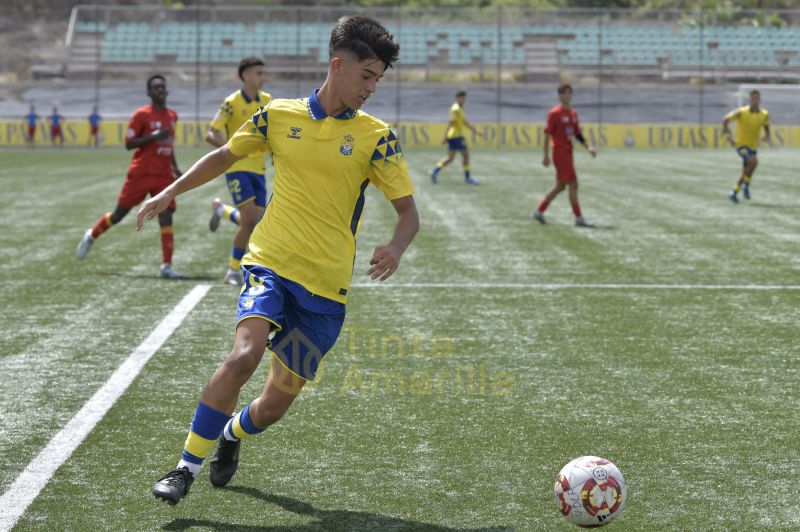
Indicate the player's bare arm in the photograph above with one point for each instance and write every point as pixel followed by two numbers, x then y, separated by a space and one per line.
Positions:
pixel 767 138
pixel 138 142
pixel 546 148
pixel 472 128
pixel 386 259
pixel 215 137
pixel 449 125
pixel 207 168
pixel 589 147
pixel 726 130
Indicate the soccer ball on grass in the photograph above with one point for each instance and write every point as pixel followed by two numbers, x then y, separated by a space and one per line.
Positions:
pixel 590 491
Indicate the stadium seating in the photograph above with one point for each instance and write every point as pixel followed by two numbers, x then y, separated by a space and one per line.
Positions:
pixel 626 45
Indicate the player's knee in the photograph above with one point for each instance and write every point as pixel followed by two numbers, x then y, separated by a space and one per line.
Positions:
pixel 247 221
pixel 243 360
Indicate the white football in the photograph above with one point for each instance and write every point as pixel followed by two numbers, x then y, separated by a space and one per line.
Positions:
pixel 590 491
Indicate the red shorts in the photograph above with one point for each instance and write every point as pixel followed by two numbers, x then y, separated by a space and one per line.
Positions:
pixel 138 186
pixel 565 168
pixel 93 130
pixel 31 131
pixel 55 131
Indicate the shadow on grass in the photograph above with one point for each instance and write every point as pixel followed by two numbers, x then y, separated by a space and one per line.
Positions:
pixel 779 206
pixel 325 519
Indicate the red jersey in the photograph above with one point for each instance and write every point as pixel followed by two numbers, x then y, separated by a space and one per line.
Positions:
pixel 154 158
pixel 562 125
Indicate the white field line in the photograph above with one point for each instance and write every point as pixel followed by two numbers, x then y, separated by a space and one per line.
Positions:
pixel 578 286
pixel 566 286
pixel 37 474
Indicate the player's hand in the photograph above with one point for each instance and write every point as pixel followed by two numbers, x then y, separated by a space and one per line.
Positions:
pixel 160 134
pixel 546 161
pixel 444 141
pixel 593 151
pixel 153 207
pixel 385 261
pixel 730 139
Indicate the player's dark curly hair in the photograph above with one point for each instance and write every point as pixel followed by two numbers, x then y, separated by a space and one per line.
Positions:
pixel 365 37
pixel 153 78
pixel 248 62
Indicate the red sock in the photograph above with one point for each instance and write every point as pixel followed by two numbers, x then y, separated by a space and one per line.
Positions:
pixel 102 225
pixel 576 209
pixel 167 244
pixel 543 205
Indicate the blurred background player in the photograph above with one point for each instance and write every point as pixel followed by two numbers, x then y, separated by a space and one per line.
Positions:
pixel 151 132
pixel 454 138
pixel 562 125
pixel 32 120
pixel 55 128
pixel 749 121
pixel 94 128
pixel 245 178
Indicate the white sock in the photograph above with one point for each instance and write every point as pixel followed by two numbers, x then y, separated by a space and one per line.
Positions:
pixel 227 433
pixel 220 211
pixel 194 468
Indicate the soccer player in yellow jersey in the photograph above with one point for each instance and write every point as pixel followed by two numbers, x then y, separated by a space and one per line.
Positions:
pixel 749 121
pixel 245 178
pixel 454 138
pixel 300 258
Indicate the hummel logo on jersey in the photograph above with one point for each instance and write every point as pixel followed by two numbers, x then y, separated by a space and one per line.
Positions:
pixel 295 134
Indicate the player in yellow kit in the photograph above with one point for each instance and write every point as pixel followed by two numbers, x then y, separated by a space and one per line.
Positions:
pixel 300 259
pixel 455 140
pixel 749 121
pixel 245 178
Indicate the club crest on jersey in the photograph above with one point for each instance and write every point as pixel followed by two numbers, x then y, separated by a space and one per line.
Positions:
pixel 295 134
pixel 347 145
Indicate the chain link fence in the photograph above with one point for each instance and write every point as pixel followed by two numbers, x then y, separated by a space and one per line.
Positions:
pixel 640 67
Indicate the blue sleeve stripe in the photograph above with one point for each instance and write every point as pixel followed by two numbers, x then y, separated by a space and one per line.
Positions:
pixel 359 208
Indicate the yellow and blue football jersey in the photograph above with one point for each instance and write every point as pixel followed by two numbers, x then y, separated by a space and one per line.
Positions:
pixel 323 165
pixel 748 125
pixel 457 122
pixel 235 110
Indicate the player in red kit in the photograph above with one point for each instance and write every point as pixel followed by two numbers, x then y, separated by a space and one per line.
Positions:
pixel 151 133
pixel 562 126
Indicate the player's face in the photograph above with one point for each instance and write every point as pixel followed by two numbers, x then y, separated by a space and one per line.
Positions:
pixel 755 99
pixel 358 79
pixel 461 100
pixel 157 91
pixel 255 76
pixel 565 97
